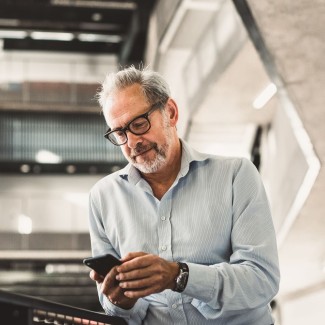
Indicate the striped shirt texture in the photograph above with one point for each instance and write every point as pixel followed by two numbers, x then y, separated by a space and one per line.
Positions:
pixel 215 217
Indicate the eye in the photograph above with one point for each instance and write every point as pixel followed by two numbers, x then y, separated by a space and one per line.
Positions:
pixel 139 124
pixel 119 134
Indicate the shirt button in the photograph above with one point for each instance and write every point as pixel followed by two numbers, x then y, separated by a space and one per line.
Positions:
pixel 163 218
pixel 163 248
pixel 174 306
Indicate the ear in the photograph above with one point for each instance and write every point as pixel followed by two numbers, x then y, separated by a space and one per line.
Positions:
pixel 172 110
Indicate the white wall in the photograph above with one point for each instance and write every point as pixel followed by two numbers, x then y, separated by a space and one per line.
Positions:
pixel 289 167
pixel 305 309
pixel 54 203
pixel 36 66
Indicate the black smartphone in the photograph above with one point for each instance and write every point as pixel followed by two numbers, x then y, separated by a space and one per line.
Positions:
pixel 102 264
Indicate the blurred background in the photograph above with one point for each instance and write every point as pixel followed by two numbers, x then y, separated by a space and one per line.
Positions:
pixel 248 77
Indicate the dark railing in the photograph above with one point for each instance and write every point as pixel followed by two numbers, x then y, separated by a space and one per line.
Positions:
pixel 18 309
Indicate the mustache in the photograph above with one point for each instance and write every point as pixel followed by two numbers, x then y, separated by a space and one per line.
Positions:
pixel 140 148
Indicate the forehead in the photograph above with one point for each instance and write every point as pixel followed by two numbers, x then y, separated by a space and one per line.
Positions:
pixel 125 104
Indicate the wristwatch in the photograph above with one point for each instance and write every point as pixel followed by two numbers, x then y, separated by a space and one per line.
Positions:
pixel 181 279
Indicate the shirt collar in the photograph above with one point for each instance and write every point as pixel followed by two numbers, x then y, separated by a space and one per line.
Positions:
pixel 189 155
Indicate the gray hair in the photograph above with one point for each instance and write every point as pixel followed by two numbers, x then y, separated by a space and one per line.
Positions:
pixel 153 85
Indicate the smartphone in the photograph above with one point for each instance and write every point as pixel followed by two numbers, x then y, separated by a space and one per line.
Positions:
pixel 102 264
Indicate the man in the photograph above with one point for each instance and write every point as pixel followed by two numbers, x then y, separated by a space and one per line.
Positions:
pixel 193 231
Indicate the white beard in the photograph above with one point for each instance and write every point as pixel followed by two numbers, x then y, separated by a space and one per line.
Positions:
pixel 152 166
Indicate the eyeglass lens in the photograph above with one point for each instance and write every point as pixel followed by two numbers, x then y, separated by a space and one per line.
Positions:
pixel 139 126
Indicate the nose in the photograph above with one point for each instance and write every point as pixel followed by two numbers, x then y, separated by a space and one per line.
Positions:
pixel 133 139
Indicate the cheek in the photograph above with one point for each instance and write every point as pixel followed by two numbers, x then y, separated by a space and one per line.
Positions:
pixel 125 150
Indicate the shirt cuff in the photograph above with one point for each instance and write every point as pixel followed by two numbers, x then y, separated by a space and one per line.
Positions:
pixel 140 308
pixel 201 283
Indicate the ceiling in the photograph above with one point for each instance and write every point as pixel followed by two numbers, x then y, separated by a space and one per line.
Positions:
pixel 77 26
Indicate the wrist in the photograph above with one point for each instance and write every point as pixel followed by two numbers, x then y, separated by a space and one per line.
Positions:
pixel 123 302
pixel 174 273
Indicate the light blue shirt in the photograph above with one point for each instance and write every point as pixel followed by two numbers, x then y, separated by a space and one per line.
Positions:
pixel 216 218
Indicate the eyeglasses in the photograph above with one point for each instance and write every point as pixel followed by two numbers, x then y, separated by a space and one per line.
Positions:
pixel 138 126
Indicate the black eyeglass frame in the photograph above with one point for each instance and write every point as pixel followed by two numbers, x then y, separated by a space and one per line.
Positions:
pixel 153 107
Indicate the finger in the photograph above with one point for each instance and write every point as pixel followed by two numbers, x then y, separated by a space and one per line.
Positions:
pixel 138 284
pixel 116 296
pixel 120 300
pixel 137 262
pixel 141 293
pixel 140 266
pixel 132 255
pixel 111 299
pixel 136 274
pixel 146 279
pixel 95 276
pixel 109 281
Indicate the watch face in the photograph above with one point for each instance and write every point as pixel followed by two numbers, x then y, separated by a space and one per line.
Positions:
pixel 182 280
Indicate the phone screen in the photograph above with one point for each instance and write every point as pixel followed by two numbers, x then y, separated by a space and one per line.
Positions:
pixel 102 264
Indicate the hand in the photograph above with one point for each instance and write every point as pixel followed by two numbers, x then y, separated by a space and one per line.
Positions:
pixel 114 292
pixel 142 274
pixel 111 289
pixel 96 277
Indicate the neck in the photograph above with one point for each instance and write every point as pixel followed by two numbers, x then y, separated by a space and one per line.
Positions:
pixel 163 179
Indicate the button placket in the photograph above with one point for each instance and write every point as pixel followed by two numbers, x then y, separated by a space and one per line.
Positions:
pixel 176 308
pixel 164 229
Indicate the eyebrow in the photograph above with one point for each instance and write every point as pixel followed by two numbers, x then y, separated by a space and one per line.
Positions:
pixel 122 127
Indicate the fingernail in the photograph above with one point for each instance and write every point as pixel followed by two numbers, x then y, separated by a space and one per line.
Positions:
pixel 117 277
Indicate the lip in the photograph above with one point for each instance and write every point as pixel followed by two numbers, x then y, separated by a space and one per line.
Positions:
pixel 142 152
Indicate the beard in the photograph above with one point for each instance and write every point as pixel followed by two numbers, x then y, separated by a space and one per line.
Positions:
pixel 161 151
pixel 153 165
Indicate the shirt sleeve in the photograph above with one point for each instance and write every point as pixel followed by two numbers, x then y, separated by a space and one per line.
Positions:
pixel 100 244
pixel 251 277
pixel 138 311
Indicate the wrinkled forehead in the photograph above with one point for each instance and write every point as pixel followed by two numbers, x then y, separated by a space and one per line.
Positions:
pixel 123 105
